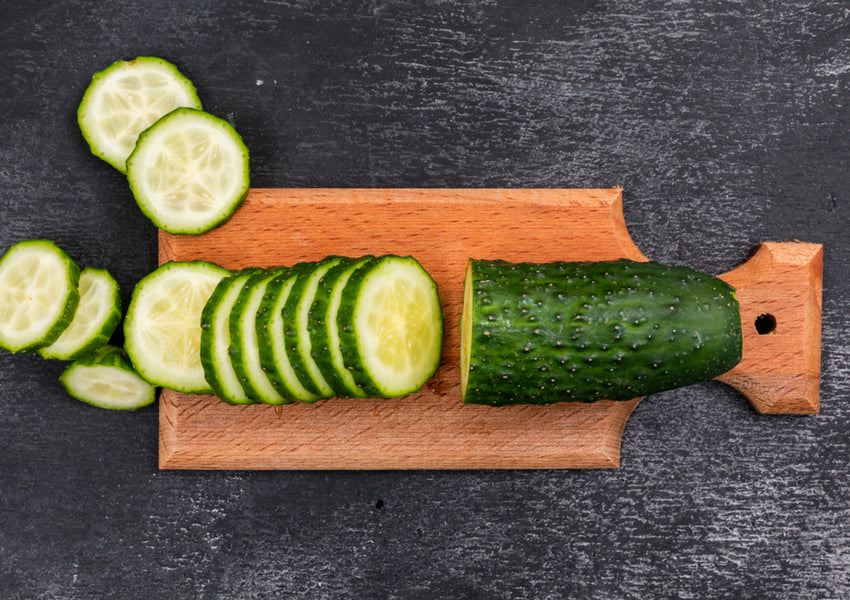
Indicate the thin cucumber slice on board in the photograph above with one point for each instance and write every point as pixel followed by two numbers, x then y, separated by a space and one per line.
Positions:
pixel 391 326
pixel 38 295
pixel 189 171
pixel 125 99
pixel 244 352
pixel 324 335
pixel 96 318
pixel 162 327
pixel 295 326
pixel 106 379
pixel 215 340
pixel 270 336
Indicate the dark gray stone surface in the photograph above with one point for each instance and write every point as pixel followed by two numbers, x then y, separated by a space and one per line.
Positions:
pixel 725 122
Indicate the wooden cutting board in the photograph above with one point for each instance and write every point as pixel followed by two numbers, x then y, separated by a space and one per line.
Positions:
pixel 442 228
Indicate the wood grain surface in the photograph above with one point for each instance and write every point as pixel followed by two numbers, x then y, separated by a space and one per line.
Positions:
pixel 431 429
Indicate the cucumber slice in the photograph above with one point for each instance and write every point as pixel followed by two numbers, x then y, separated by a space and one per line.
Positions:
pixel 391 326
pixel 244 352
pixel 125 99
pixel 162 327
pixel 215 340
pixel 270 336
pixel 324 335
pixel 189 171
pixel 295 326
pixel 97 316
pixel 106 379
pixel 38 295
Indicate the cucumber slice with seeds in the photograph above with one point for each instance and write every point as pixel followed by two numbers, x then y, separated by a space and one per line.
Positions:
pixel 324 334
pixel 391 326
pixel 295 325
pixel 96 318
pixel 38 295
pixel 125 99
pixel 189 171
pixel 215 340
pixel 162 327
pixel 271 338
pixel 106 379
pixel 244 351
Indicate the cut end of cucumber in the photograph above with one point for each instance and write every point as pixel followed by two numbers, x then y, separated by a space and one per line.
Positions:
pixel 189 172
pixel 38 295
pixel 466 330
pixel 399 326
pixel 125 99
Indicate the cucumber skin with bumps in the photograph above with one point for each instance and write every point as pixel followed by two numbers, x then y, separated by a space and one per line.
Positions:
pixel 614 330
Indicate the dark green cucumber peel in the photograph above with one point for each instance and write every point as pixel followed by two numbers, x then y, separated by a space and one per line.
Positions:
pixel 217 304
pixel 236 348
pixel 320 339
pixel 616 330
pixel 295 304
pixel 272 358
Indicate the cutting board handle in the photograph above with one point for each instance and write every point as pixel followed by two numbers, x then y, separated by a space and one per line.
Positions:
pixel 779 289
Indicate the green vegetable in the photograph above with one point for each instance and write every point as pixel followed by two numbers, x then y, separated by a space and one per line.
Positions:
pixel 39 294
pixel 542 333
pixel 106 379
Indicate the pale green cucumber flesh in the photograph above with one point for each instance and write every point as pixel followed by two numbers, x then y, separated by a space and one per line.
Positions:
pixel 390 325
pixel 39 294
pixel 98 314
pixel 162 326
pixel 106 379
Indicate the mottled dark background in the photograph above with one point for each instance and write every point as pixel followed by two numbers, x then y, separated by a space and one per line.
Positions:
pixel 725 123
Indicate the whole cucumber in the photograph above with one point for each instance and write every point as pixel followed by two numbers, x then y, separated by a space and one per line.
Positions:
pixel 587 331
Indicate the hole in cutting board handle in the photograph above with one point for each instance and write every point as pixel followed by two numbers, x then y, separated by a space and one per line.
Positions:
pixel 765 323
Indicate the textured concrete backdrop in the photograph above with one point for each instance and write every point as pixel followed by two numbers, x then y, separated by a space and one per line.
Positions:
pixel 724 121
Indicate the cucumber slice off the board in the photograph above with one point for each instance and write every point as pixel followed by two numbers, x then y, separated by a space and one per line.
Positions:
pixel 125 99
pixel 106 379
pixel 39 294
pixel 96 318
pixel 189 171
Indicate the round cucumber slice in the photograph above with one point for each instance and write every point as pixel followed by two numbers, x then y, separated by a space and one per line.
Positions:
pixel 391 326
pixel 189 171
pixel 162 327
pixel 38 295
pixel 106 379
pixel 125 99
pixel 97 316
pixel 215 340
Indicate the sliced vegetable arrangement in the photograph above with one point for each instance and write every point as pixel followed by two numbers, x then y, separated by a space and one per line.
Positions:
pixel 49 306
pixel 258 326
pixel 188 170
pixel 616 330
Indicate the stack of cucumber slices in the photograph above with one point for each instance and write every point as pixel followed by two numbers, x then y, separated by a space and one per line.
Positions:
pixel 338 327
pixel 48 305
pixel 188 170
